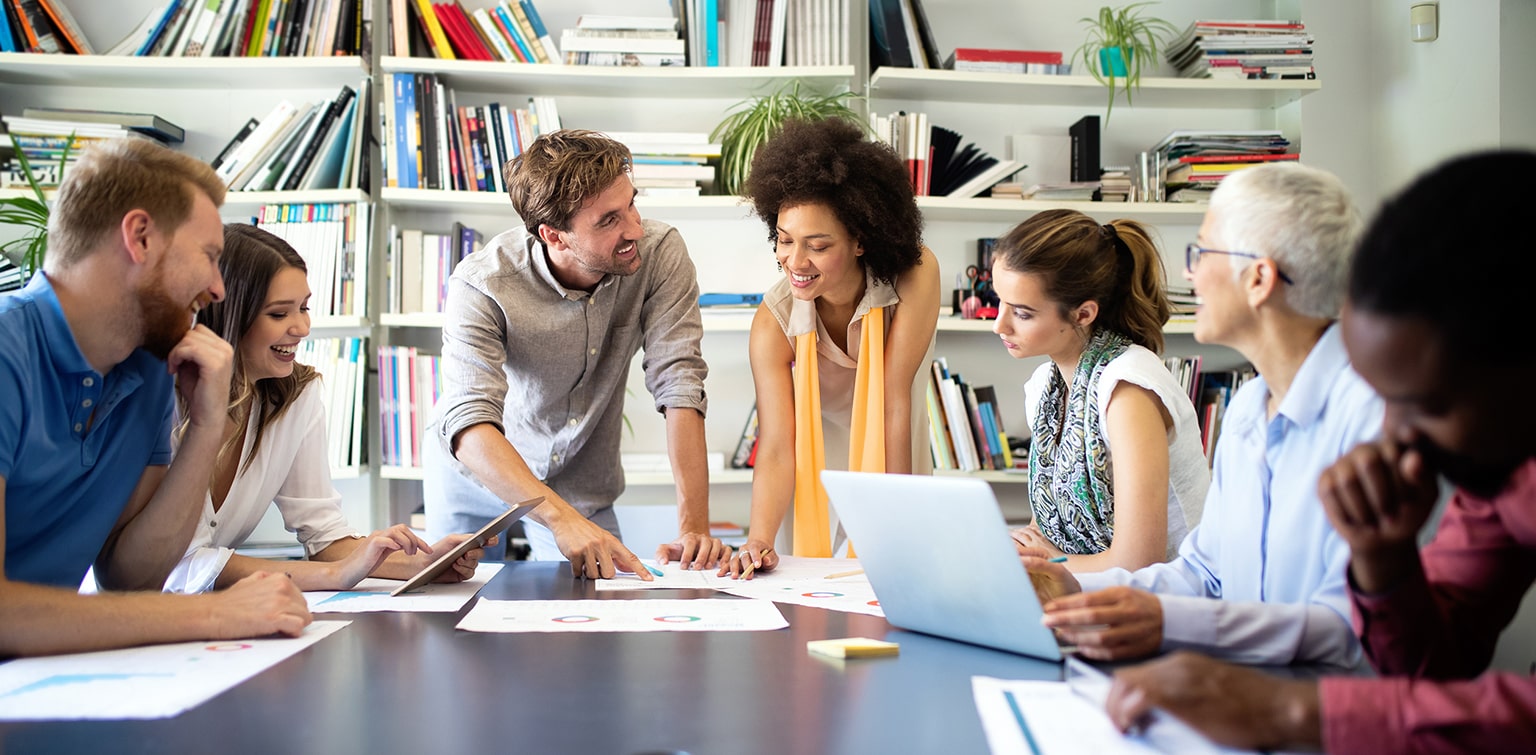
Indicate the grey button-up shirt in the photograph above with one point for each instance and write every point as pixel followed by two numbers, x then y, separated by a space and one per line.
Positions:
pixel 548 365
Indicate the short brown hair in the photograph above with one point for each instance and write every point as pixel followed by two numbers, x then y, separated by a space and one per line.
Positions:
pixel 558 172
pixel 115 177
pixel 1078 260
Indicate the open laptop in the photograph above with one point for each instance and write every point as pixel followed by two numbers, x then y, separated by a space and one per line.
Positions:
pixel 941 561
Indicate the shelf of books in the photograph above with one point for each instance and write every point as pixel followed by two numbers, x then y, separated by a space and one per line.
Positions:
pixel 1081 91
pixel 620 81
pixel 180 73
pixel 987 209
pixel 740 321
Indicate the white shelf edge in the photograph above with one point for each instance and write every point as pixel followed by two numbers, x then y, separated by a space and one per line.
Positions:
pixel 1044 89
pixel 389 472
pixel 181 73
pixel 349 322
pixel 1014 210
pixel 314 196
pixel 661 479
pixel 741 322
pixel 988 475
pixel 569 80
pixel 412 320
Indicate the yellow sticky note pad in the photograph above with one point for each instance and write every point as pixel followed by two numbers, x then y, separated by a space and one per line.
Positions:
pixel 852 647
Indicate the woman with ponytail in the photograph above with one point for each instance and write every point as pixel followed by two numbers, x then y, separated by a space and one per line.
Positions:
pixel 1117 474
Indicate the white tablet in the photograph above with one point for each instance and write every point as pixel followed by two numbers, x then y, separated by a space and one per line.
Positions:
pixel 491 528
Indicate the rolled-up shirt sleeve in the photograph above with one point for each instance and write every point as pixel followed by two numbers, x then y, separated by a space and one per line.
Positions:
pixel 673 362
pixel 474 351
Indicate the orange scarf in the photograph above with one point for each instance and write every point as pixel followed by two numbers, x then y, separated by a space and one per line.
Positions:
pixel 866 438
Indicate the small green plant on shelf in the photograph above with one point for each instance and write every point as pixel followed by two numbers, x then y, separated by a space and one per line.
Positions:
pixel 29 214
pixel 752 122
pixel 1121 44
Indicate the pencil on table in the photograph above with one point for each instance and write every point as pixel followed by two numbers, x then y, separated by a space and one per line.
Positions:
pixel 841 574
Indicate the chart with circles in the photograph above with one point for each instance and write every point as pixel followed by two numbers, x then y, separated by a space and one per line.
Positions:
pixel 703 615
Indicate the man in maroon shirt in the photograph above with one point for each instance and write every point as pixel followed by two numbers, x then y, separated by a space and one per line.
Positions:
pixel 1438 322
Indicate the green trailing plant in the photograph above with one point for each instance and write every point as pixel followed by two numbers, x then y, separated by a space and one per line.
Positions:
pixel 30 214
pixel 1135 37
pixel 752 122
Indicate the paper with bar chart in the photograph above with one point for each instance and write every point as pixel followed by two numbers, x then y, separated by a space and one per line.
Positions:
pixel 156 681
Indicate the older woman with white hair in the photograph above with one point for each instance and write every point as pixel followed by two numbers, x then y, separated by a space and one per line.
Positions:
pixel 1261 579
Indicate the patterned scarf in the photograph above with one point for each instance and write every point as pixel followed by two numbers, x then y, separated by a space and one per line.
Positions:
pixel 1071 487
pixel 866 439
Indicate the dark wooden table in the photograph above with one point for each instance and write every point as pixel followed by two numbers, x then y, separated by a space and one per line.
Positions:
pixel 411 683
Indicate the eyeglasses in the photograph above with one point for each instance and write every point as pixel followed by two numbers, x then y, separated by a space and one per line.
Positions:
pixel 1193 251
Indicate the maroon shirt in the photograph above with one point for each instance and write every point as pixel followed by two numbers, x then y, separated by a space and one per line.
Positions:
pixel 1433 635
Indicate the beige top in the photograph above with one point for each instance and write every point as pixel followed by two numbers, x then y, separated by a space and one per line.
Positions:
pixel 836 371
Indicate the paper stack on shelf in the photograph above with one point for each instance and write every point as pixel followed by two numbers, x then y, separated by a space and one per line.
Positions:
pixel 1243 49
pixel 1194 161
pixel 670 164
pixel 601 40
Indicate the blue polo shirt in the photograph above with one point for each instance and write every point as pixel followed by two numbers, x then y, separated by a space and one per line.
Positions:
pixel 73 443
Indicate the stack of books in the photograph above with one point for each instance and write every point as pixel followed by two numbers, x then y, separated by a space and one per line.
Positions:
pixel 510 31
pixel 1182 303
pixel 1115 184
pixel 309 146
pixel 247 28
pixel 334 240
pixel 670 164
pixel 419 264
pixel 1007 61
pixel 601 40
pixel 410 383
pixel 1243 49
pixel 764 33
pixel 429 142
pixel 44 134
pixel 1194 162
pixel 899 35
pixel 1066 191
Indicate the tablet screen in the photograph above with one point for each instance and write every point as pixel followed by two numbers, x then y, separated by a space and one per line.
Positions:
pixel 443 562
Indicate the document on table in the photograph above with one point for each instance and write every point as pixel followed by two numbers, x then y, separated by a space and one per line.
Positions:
pixel 798 580
pixel 704 615
pixel 156 681
pixel 1044 718
pixel 373 595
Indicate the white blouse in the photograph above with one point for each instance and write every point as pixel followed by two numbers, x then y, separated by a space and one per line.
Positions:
pixel 292 469
pixel 1188 472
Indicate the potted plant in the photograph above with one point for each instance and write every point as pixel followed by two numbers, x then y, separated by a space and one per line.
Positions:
pixel 1120 44
pixel 755 121
pixel 31 215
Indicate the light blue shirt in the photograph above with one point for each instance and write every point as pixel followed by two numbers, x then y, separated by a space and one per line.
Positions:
pixel 1262 578
pixel 73 442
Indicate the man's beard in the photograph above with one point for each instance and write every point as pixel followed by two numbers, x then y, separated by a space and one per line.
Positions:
pixel 166 321
pixel 1476 478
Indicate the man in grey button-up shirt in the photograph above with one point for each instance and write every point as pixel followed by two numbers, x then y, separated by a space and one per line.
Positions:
pixel 542 324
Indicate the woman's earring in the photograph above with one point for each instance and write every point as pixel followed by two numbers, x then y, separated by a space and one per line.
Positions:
pixel 780 266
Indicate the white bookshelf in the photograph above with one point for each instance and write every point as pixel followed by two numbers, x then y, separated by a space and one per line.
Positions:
pixel 1009 210
pixel 605 81
pixel 1081 91
pixel 180 73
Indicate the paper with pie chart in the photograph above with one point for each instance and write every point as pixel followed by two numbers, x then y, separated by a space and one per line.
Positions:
pixel 373 594
pixel 703 615
pixel 850 594
pixel 157 681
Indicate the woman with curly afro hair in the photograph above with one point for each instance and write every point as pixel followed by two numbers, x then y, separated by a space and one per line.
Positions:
pixel 837 345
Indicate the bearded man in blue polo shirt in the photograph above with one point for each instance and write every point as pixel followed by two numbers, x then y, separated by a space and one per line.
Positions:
pixel 90 353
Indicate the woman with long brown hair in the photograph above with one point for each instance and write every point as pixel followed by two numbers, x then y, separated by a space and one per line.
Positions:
pixel 274 447
pixel 1117 474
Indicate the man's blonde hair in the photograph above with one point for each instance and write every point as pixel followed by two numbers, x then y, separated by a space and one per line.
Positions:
pixel 113 178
